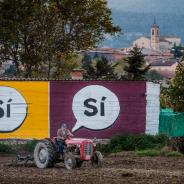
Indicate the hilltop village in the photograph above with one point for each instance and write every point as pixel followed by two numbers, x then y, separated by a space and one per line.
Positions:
pixel 160 51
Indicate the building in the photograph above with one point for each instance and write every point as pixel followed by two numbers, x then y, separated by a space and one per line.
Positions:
pixel 152 55
pixel 109 53
pixel 155 37
pixel 157 42
pixel 166 68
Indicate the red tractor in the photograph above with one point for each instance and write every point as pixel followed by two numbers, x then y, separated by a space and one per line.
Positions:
pixel 76 151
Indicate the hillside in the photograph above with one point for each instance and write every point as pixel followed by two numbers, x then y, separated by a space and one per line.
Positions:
pixel 136 18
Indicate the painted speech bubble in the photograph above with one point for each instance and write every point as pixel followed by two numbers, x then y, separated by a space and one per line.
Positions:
pixel 13 109
pixel 95 107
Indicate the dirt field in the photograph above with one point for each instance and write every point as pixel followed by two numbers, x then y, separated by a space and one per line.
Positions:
pixel 117 169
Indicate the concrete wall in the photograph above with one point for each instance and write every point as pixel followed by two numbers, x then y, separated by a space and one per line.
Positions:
pixel 91 109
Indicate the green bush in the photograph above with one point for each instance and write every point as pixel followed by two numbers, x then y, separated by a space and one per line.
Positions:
pixel 163 140
pixel 138 142
pixel 104 148
pixel 117 149
pixel 29 146
pixel 130 142
pixel 178 144
pixel 18 148
pixel 5 148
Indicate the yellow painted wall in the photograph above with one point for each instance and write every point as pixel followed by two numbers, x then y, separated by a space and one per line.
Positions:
pixel 36 123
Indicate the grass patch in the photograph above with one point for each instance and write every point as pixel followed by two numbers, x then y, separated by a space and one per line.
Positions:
pixel 156 153
pixel 148 153
pixel 174 154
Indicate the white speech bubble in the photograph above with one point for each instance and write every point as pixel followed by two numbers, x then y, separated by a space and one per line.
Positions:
pixel 13 109
pixel 95 107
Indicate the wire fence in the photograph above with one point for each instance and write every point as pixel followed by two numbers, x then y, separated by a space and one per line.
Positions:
pixel 171 123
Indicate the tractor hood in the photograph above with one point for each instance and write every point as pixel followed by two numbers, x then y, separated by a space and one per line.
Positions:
pixel 77 141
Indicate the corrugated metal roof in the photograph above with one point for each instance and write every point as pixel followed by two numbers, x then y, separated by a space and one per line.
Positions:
pixel 72 80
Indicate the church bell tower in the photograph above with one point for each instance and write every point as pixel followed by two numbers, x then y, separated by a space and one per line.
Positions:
pixel 155 34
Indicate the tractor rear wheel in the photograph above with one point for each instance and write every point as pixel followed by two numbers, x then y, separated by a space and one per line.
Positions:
pixel 69 161
pixel 97 159
pixel 44 154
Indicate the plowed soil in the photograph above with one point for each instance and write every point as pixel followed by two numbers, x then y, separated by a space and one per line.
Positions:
pixel 117 169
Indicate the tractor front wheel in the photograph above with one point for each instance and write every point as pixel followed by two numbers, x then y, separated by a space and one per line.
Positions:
pixel 97 159
pixel 69 161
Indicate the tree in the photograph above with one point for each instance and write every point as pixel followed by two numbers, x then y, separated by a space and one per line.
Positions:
pixel 64 64
pixel 177 51
pixel 165 101
pixel 34 32
pixel 11 71
pixel 86 60
pixel 176 90
pixel 13 20
pixel 100 69
pixel 153 75
pixel 135 67
pixel 119 70
pixel 85 23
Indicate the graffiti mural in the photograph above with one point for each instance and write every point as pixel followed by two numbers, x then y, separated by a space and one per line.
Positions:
pixel 98 108
pixel 95 107
pixel 24 109
pixel 13 109
pixel 101 109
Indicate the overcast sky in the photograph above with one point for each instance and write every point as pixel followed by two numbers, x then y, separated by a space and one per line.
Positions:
pixel 165 6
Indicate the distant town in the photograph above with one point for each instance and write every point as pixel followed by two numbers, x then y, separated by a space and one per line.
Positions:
pixel 162 52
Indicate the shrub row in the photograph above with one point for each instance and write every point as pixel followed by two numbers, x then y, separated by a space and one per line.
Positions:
pixel 17 148
pixel 117 143
pixel 134 142
pixel 29 147
pixel 5 148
